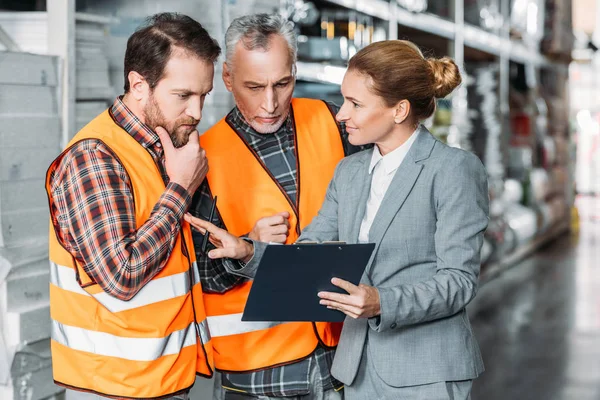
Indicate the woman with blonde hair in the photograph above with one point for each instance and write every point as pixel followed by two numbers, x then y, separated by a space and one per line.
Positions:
pixel 425 206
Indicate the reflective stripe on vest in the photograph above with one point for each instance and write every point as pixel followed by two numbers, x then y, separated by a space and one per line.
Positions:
pixel 235 172
pixel 155 291
pixel 232 324
pixel 129 348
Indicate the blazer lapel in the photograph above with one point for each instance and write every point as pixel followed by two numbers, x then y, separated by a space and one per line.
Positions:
pixel 404 180
pixel 360 187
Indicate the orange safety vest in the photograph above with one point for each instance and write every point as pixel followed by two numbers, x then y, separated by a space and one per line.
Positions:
pixel 148 346
pixel 246 192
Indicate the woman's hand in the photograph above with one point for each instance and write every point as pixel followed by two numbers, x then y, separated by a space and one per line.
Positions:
pixel 362 301
pixel 227 245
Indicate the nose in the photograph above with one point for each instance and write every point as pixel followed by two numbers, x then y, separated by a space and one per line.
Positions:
pixel 194 108
pixel 270 102
pixel 342 114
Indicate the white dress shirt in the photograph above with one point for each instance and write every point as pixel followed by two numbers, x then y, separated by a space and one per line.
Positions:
pixel 382 170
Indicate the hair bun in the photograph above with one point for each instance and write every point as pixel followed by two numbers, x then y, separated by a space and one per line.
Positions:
pixel 446 76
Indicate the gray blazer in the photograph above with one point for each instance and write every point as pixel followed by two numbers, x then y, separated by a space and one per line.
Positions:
pixel 428 234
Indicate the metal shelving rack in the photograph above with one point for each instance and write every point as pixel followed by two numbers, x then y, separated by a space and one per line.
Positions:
pixel 462 34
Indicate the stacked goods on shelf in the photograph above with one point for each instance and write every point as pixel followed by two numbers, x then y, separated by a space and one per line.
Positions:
pixel 336 50
pixel 440 8
pixel 527 185
pixel 342 34
pixel 414 5
pixel 483 13
pixel 441 123
pixel 486 141
pixel 85 111
pixel 326 43
pixel 526 22
pixel 29 30
pixel 321 91
pixel 523 160
pixel 558 40
pixel 461 131
pixel 541 211
pixel 483 102
pixel 30 138
pixel 556 149
pixel 93 88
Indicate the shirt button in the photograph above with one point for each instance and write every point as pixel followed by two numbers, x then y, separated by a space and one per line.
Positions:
pixel 158 145
pixel 393 325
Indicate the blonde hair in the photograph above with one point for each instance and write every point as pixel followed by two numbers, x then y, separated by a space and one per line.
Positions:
pixel 399 71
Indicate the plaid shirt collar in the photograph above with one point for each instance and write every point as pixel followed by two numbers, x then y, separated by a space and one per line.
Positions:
pixel 127 120
pixel 237 119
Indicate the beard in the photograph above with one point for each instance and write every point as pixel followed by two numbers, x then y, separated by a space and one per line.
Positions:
pixel 178 132
pixel 258 126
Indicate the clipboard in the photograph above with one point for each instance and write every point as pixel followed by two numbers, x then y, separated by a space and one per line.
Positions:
pixel 289 277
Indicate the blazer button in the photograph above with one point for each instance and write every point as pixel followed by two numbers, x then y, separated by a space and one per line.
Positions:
pixel 393 325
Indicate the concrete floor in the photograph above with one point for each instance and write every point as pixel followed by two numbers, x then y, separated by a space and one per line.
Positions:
pixel 538 324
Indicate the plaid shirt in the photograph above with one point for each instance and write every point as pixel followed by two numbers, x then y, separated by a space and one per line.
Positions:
pixel 277 151
pixel 93 210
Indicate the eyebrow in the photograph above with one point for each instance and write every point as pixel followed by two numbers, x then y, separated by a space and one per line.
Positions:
pixel 352 99
pixel 189 92
pixel 252 83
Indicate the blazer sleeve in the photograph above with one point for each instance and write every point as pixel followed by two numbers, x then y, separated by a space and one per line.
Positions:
pixel 462 212
pixel 323 227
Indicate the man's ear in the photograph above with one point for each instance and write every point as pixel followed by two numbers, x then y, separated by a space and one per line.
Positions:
pixel 138 86
pixel 401 111
pixel 227 78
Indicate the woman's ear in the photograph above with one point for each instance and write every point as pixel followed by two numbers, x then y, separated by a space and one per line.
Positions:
pixel 401 111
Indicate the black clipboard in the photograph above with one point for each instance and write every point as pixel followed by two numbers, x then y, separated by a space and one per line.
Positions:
pixel 289 277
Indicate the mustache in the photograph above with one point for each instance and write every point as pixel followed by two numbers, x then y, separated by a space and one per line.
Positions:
pixel 190 121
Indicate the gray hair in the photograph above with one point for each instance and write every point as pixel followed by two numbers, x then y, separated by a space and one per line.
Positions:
pixel 255 32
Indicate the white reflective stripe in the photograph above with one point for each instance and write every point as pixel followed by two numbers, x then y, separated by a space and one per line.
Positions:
pixel 204 332
pixel 64 278
pixel 129 348
pixel 155 291
pixel 232 324
pixel 195 273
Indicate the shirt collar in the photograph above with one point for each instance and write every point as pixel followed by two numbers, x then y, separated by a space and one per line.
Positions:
pixel 127 120
pixel 392 160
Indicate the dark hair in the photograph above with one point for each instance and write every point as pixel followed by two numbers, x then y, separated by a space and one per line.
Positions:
pixel 400 72
pixel 151 46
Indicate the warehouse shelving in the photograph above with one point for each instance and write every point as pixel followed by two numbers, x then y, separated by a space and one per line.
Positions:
pixel 464 42
pixel 472 36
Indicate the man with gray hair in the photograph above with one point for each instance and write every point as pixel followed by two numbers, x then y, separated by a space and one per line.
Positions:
pixel 271 160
